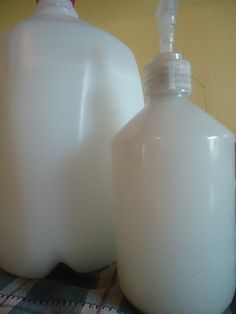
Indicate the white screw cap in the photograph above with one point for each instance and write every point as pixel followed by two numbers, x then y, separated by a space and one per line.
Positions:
pixel 168 72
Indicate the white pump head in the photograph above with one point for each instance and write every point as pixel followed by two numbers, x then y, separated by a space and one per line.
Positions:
pixel 168 72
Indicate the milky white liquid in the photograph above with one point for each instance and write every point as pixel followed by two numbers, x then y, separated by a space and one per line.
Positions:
pixel 174 183
pixel 65 86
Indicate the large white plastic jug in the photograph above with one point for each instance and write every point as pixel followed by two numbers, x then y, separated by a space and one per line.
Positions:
pixel 66 89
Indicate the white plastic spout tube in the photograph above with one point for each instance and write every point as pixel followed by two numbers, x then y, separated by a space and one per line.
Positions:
pixel 166 19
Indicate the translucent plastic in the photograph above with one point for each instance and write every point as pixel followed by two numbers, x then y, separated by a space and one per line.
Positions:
pixel 66 89
pixel 166 18
pixel 168 71
pixel 174 185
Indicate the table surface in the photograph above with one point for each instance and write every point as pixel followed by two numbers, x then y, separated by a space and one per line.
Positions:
pixel 64 291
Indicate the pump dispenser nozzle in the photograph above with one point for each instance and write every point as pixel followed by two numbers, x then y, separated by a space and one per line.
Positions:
pixel 168 72
pixel 166 20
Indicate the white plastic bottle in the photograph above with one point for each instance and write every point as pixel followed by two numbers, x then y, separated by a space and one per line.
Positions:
pixel 174 185
pixel 64 95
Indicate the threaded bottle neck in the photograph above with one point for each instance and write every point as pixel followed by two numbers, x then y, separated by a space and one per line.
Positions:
pixel 65 7
pixel 168 73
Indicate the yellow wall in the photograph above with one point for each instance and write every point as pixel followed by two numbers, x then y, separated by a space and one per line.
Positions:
pixel 206 35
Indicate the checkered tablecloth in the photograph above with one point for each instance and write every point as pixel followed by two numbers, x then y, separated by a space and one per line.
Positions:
pixel 66 292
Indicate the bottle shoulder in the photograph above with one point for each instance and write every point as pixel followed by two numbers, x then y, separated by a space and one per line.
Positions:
pixel 73 43
pixel 74 30
pixel 173 120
